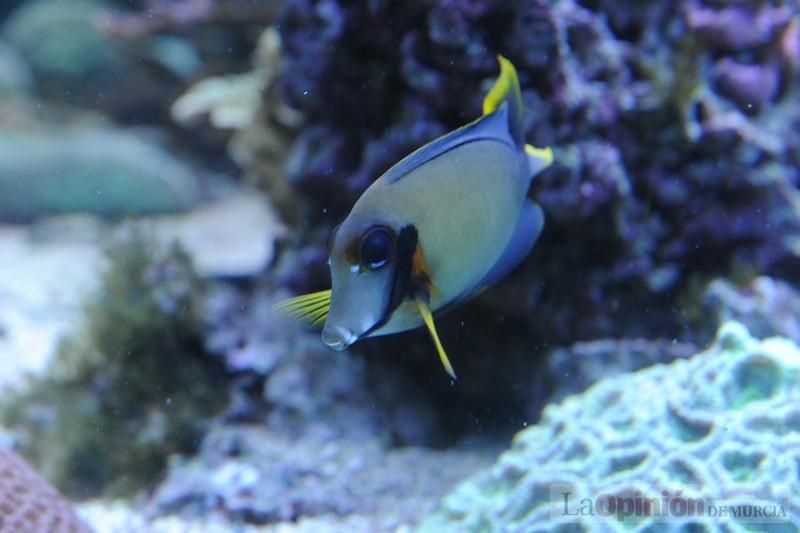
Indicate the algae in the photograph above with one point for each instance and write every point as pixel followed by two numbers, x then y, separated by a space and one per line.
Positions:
pixel 132 386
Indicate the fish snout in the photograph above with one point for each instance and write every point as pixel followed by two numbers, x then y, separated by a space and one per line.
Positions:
pixel 338 337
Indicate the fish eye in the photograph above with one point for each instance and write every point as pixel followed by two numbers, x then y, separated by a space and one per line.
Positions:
pixel 377 248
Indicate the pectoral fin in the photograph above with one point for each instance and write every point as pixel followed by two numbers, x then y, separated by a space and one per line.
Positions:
pixel 428 319
pixel 309 308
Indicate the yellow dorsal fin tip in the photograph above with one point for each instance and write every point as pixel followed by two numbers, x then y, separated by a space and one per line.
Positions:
pixel 501 86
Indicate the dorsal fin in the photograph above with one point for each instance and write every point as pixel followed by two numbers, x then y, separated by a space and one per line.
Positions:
pixel 486 127
pixel 506 91
pixel 501 121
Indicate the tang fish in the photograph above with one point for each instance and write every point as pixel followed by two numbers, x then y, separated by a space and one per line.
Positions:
pixel 437 228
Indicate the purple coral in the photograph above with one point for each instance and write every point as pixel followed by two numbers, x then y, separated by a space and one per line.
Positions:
pixel 737 27
pixel 751 86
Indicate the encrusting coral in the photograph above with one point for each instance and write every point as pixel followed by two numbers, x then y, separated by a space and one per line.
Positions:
pixel 28 504
pixel 723 426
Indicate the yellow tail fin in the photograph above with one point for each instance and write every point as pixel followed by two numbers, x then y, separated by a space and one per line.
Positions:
pixel 428 318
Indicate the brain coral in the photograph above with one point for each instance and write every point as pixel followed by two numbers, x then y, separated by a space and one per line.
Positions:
pixel 724 424
pixel 28 504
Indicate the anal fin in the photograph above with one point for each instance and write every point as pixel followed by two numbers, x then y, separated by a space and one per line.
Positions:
pixel 529 227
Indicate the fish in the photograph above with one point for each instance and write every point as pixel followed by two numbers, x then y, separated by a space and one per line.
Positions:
pixel 439 227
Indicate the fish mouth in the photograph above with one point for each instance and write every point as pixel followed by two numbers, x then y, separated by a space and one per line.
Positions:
pixel 337 337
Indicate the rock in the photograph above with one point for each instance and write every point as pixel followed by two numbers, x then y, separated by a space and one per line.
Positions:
pixel 64 48
pixel 257 476
pixel 42 287
pixel 234 237
pixel 15 75
pixel 101 171
pixel 574 369
pixel 74 59
pixel 766 306
pixel 119 516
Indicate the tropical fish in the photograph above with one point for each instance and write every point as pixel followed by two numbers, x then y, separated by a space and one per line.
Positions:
pixel 437 228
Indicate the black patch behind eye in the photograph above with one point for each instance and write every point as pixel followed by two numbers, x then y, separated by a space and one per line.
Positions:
pixel 401 282
pixel 400 285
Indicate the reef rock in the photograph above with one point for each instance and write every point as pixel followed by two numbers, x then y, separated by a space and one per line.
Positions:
pixel 258 476
pixel 74 60
pixel 15 75
pixel 723 425
pixel 766 306
pixel 64 48
pixel 233 237
pixel 573 369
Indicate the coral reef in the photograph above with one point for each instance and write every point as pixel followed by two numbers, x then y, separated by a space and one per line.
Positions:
pixel 261 126
pixel 766 306
pixel 257 476
pixel 290 382
pixel 29 504
pixel 573 369
pixel 671 150
pixel 721 425
pixel 130 387
pixel 675 162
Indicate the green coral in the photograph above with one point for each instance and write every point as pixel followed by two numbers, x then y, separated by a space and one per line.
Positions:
pixel 722 426
pixel 94 170
pixel 132 386
pixel 59 39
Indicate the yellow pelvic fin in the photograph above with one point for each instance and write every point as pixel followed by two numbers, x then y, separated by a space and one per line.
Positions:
pixel 507 81
pixel 309 308
pixel 428 318
pixel 545 155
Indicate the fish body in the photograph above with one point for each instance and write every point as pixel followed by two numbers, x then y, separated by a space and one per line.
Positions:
pixel 437 228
